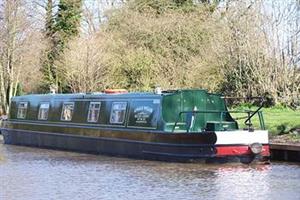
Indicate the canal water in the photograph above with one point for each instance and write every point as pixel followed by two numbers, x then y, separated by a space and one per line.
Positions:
pixel 38 174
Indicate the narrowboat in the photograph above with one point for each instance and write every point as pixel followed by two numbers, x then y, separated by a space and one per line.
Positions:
pixel 178 126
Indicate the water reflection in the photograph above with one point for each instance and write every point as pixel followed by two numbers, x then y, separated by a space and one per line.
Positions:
pixel 30 173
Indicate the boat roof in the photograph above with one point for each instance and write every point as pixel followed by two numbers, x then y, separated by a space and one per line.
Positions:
pixel 103 95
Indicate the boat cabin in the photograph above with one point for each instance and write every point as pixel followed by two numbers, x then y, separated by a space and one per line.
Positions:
pixel 170 111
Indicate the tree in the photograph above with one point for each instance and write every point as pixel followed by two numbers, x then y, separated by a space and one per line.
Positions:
pixel 85 65
pixel 59 30
pixel 48 68
pixel 260 60
pixel 12 28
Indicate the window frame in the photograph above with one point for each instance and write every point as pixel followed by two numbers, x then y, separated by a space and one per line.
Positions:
pixel 43 108
pixel 63 108
pixel 94 103
pixel 111 112
pixel 25 108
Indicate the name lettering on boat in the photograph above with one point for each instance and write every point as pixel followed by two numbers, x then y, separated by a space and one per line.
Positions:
pixel 142 113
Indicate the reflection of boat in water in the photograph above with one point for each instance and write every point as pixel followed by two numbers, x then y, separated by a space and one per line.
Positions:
pixel 181 125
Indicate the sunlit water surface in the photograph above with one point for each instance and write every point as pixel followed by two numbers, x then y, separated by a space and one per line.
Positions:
pixel 38 174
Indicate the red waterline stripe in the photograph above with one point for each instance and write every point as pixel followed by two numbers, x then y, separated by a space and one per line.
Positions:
pixel 239 150
pixel 265 150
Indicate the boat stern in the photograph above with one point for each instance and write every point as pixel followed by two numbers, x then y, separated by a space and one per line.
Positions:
pixel 243 146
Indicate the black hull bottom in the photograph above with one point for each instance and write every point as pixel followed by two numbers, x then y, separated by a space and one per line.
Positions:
pixel 123 148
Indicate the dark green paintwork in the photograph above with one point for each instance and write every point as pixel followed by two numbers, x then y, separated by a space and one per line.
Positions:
pixel 196 100
pixel 144 110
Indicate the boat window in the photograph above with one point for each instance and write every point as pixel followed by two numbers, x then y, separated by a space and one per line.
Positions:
pixel 67 111
pixel 118 111
pixel 22 109
pixel 94 111
pixel 43 111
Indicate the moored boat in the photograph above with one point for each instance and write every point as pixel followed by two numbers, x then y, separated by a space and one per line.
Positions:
pixel 179 125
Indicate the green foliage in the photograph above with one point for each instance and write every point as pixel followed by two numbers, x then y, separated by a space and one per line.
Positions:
pixel 169 45
pixel 67 21
pixel 59 31
pixel 134 72
pixel 268 100
pixel 160 6
pixel 183 2
pixel 49 23
pixel 19 90
pixel 243 106
pixel 283 128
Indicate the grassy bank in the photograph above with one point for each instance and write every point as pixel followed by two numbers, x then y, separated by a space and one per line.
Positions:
pixel 278 120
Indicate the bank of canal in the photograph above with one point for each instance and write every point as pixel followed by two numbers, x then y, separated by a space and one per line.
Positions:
pixel 285 152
